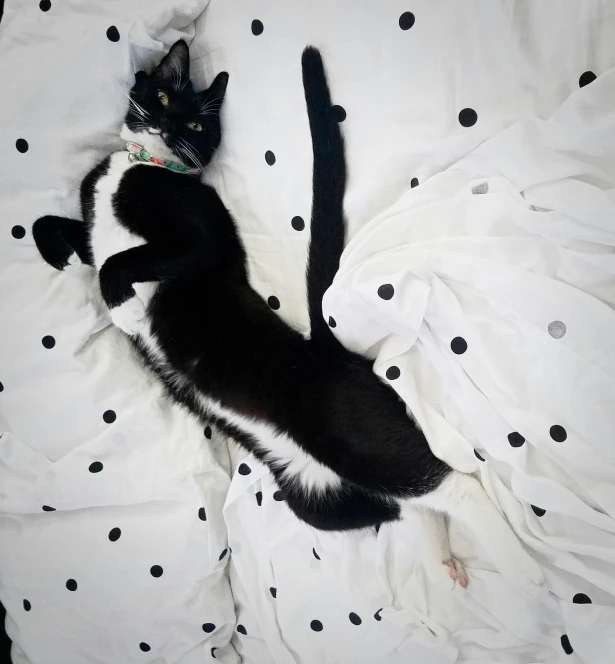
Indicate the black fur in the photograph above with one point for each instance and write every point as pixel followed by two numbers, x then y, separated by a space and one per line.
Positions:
pixel 222 338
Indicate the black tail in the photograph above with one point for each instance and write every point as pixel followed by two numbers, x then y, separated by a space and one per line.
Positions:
pixel 329 182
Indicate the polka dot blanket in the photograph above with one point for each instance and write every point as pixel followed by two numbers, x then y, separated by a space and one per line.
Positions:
pixel 478 275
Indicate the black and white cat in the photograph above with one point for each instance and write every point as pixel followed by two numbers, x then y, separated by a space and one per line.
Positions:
pixel 173 273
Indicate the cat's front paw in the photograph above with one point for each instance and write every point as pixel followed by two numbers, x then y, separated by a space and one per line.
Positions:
pixel 73 264
pixel 129 316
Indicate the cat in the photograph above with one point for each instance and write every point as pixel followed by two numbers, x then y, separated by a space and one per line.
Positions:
pixel 172 271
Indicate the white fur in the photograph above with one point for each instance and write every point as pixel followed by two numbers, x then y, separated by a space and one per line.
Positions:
pixel 434 546
pixel 108 236
pixel 130 316
pixel 73 264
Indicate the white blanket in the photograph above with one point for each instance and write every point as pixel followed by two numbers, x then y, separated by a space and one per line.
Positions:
pixel 502 274
pixel 403 85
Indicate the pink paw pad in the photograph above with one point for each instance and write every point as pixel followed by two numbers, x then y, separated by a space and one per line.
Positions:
pixel 455 574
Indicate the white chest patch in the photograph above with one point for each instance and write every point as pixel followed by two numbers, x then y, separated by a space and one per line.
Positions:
pixel 279 449
pixel 108 236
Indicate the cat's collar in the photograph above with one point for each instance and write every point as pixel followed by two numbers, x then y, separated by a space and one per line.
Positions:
pixel 137 152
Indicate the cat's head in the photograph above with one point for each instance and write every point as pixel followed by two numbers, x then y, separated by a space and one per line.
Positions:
pixel 167 116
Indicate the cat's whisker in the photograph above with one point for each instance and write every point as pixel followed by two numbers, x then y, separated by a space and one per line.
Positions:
pixel 191 153
pixel 210 103
pixel 194 156
pixel 137 108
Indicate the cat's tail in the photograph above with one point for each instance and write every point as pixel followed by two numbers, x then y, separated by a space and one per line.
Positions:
pixel 329 182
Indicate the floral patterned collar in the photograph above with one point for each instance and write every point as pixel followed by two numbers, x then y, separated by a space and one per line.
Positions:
pixel 137 152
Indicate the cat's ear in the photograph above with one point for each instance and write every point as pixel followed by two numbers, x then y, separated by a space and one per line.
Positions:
pixel 174 70
pixel 217 90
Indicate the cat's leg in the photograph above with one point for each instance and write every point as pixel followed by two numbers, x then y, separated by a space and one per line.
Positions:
pixel 462 497
pixel 346 507
pixel 62 242
pixel 434 546
pixel 146 262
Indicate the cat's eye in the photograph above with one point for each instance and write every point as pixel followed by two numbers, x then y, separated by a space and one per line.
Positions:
pixel 164 98
pixel 195 126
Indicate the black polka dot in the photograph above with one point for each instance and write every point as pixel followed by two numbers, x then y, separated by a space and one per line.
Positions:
pixel 386 291
pixel 406 20
pixel 354 619
pixel 45 5
pixel 259 498
pixel 558 433
pixel 565 641
pixel 332 322
pixel 581 598
pixel 156 571
pixel 538 511
pixel 393 373
pixel 144 646
pixel 257 27
pixel 109 416
pixel 48 342
pixel 208 433
pixel 586 78
pixel 95 467
pixel 18 232
pixel 338 113
pixel 22 145
pixel 113 34
pixel 459 345
pixel 414 182
pixel 316 625
pixel 244 469
pixel 274 592
pixel 315 554
pixel 377 615
pixel 208 627
pixel 202 514
pixel 26 605
pixel 270 158
pixel 213 653
pixel 1 387
pixel 223 554
pixel 516 439
pixel 242 630
pixel 478 456
pixel 467 117
pixel 297 223
pixel 279 496
pixel 71 584
pixel 46 508
pixel 273 302
pixel 115 534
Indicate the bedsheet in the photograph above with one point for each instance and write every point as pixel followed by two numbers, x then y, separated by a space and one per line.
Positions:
pixel 118 519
